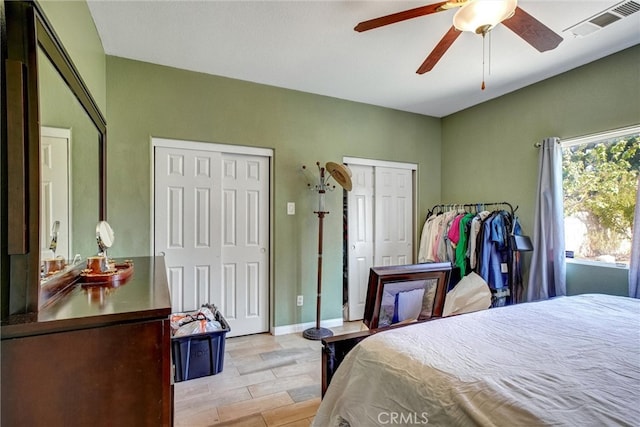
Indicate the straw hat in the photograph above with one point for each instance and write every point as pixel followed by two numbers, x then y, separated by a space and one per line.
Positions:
pixel 341 174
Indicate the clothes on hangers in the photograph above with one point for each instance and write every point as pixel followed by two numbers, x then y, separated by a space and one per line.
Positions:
pixel 435 243
pixel 476 242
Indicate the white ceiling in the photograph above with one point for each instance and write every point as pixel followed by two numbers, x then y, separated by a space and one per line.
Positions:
pixel 311 46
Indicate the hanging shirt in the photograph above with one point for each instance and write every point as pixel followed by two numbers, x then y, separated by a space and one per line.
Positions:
pixel 461 249
pixel 476 223
pixel 445 251
pixel 494 256
pixel 517 285
pixel 438 226
pixel 454 230
pixel 423 252
pixel 433 235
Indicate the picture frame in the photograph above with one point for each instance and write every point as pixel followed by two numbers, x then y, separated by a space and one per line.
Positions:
pixel 405 293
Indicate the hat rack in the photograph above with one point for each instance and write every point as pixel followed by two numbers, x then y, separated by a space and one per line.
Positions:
pixel 320 184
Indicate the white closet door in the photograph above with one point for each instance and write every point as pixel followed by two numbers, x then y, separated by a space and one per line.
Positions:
pixel 360 243
pixel 380 226
pixel 188 188
pixel 245 243
pixel 394 216
pixel 54 189
pixel 212 224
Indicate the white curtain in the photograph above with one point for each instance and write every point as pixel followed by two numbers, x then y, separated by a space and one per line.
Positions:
pixel 547 276
pixel 634 266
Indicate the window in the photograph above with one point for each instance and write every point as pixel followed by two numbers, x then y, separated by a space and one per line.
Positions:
pixel 600 180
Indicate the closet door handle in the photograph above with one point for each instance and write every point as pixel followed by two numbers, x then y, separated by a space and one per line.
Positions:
pixel 263 250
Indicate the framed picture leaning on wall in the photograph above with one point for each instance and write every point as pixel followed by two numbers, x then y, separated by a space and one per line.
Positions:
pixel 405 293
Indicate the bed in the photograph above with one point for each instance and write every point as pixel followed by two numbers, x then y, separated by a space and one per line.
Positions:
pixel 565 361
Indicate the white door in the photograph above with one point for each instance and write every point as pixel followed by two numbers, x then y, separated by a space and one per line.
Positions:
pixel 245 243
pixel 380 224
pixel 212 223
pixel 394 216
pixel 186 190
pixel 54 189
pixel 360 236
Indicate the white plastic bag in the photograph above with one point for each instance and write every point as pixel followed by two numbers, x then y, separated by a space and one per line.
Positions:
pixel 197 327
pixel 195 322
pixel 471 293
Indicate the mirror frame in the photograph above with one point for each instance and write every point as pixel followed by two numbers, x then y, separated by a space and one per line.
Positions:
pixel 25 27
pixel 380 277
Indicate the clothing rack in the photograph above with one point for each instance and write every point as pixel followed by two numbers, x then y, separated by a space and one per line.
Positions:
pixel 511 288
pixel 443 207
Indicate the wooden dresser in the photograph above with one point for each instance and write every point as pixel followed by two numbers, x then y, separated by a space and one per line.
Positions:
pixel 96 356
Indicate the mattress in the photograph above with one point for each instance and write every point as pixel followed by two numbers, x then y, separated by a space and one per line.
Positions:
pixel 567 361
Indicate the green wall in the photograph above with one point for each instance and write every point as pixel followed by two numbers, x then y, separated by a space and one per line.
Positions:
pixel 146 100
pixel 488 152
pixel 74 26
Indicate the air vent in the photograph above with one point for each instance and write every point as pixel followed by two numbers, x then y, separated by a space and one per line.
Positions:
pixel 604 18
pixel 627 8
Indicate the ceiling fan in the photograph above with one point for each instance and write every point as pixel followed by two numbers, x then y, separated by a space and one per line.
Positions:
pixel 478 16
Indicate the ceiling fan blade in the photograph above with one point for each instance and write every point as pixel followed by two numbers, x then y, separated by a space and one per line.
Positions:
pixel 532 31
pixel 441 48
pixel 399 16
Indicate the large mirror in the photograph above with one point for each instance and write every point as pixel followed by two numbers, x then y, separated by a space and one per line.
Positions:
pixel 50 190
pixel 72 144
pixel 69 172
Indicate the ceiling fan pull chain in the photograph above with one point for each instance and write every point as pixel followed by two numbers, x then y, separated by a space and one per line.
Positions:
pixel 483 56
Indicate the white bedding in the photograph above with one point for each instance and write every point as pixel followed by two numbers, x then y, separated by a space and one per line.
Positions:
pixel 570 361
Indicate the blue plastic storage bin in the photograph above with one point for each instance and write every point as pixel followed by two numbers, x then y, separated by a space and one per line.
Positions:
pixel 199 355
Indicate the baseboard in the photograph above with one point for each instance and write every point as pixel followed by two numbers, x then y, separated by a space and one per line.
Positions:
pixel 293 329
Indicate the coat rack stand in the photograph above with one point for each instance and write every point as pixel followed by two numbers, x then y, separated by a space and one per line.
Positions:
pixel 342 175
pixel 318 333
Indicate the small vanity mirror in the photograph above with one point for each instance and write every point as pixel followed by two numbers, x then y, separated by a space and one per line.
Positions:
pixel 104 237
pixel 54 237
pixel 100 264
pixel 51 264
pixel 101 270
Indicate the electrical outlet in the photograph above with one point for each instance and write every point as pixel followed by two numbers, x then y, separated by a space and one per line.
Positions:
pixel 291 208
pixel 300 300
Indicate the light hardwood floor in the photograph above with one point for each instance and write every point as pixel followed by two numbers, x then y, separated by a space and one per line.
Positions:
pixel 266 381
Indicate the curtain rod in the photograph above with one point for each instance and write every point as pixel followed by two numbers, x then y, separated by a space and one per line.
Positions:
pixel 596 136
pixel 539 144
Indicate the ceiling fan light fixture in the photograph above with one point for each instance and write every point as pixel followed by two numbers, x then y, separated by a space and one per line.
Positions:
pixel 480 16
